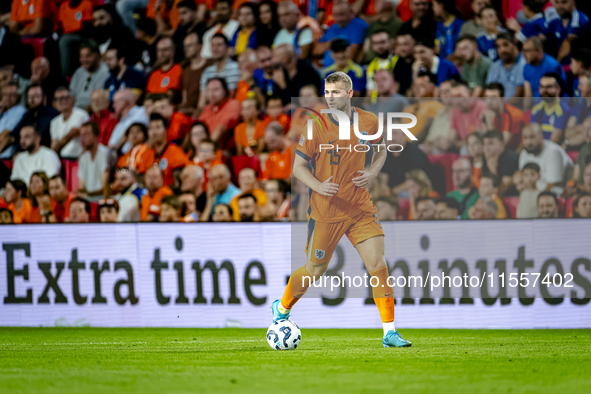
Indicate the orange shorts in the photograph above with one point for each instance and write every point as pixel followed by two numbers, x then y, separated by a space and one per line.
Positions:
pixel 324 237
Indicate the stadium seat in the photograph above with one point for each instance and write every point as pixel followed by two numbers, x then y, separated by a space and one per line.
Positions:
pixel 70 168
pixel 241 162
pixel 573 155
pixel 8 164
pixel 94 212
pixel 445 160
pixel 36 44
pixel 511 206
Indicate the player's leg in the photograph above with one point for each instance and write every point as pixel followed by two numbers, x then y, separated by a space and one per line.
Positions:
pixel 368 238
pixel 321 242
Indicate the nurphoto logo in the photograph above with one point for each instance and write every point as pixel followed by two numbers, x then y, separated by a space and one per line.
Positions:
pixel 364 137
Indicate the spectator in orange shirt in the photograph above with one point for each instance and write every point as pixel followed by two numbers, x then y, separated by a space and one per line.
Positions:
pixel 222 113
pixel 502 116
pixel 249 134
pixel 59 193
pixel 75 20
pixel 275 113
pixel 138 156
pixel 15 196
pixel 198 133
pixel 32 18
pixel 166 75
pixel 278 165
pixel 170 158
pixel 247 181
pixel 79 211
pixel 156 191
pixel 179 123
pixel 99 105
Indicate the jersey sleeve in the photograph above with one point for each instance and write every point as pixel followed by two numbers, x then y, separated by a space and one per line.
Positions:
pixel 307 148
pixel 579 25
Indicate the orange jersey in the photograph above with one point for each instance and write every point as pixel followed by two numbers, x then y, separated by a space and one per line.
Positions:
pixel 137 158
pixel 163 81
pixel 242 90
pixel 241 137
pixel 180 124
pixel 151 204
pixel 343 165
pixel 26 213
pixel 278 165
pixel 25 12
pixel 283 119
pixel 171 158
pixel 73 18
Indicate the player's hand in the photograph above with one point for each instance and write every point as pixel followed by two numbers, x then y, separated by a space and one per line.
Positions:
pixel 364 180
pixel 327 188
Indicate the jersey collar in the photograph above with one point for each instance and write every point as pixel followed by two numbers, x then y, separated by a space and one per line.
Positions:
pixel 333 120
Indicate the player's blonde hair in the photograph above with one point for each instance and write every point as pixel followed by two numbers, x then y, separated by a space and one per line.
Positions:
pixel 340 76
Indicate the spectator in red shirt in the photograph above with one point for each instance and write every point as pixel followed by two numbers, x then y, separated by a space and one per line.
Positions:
pixel 178 123
pixel 59 193
pixel 222 113
pixel 166 76
pixel 75 20
pixel 99 104
pixel 32 17
pixel 466 115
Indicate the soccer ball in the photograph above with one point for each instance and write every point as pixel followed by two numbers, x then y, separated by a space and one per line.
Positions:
pixel 284 335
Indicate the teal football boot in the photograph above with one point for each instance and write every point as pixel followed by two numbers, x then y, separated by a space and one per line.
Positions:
pixel 276 314
pixel 393 339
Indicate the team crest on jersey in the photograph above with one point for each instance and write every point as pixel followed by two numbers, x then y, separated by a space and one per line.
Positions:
pixel 163 164
pixel 78 16
pixel 363 142
pixel 302 140
pixel 165 82
pixel 319 253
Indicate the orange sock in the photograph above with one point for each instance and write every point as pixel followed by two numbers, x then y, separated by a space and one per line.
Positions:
pixel 383 294
pixel 298 283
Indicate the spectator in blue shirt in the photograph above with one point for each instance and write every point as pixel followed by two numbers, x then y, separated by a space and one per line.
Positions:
pixel 425 60
pixel 536 26
pixel 552 114
pixel 571 25
pixel 580 62
pixel 487 39
pixel 122 76
pixel 341 54
pixel 345 26
pixel 448 26
pixel 538 64
pixel 508 70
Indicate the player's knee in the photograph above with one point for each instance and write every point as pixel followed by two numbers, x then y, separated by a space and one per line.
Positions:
pixel 375 264
pixel 316 269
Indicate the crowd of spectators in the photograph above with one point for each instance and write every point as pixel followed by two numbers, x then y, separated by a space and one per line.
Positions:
pixel 184 110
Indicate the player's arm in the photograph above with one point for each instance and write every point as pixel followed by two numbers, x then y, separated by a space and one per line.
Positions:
pixel 378 160
pixel 303 173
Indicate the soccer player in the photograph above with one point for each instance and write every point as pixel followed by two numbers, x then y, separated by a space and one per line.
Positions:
pixel 340 203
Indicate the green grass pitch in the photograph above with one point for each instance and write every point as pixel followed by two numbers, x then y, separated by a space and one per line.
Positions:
pixel 95 360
